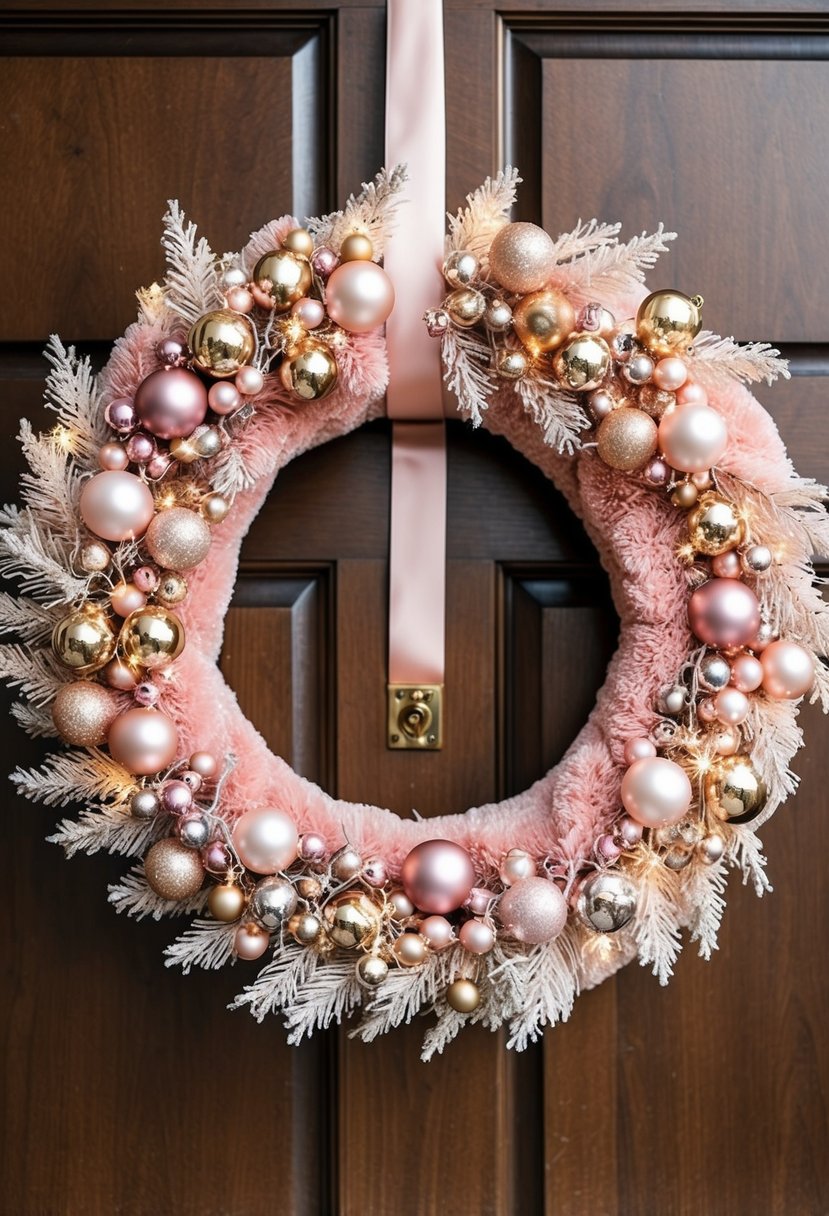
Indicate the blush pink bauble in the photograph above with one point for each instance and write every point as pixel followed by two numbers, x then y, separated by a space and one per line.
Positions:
pixel 533 910
pixel 116 505
pixel 171 403
pixel 266 840
pixel 437 875
pixel 359 296
pixel 724 612
pixel 656 792
pixel 144 741
pixel 788 670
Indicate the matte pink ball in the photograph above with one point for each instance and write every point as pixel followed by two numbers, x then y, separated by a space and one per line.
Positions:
pixel 126 598
pixel 533 910
pixel 693 438
pixel 746 673
pixel 113 456
pixel 437 931
pixel 171 403
pixel 476 936
pixel 205 764
pixel 638 749
pixel 731 706
pixel 224 397
pixel 116 505
pixel 788 670
pixel 308 312
pixel 249 381
pixel 727 565
pixel 656 792
pixel 437 875
pixel 144 741
pixel 691 394
pixel 724 612
pixel 266 840
pixel 670 374
pixel 250 942
pixel 359 296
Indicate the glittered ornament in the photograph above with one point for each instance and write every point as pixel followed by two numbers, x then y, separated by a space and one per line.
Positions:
pixel 522 257
pixel 178 539
pixel 655 401
pixel 668 321
pixel 171 403
pixel 582 362
pixel 226 901
pixel 281 278
pixel 542 320
pixel 465 306
pixel 83 713
pixel 84 641
pixel 222 341
pixel 272 902
pixel 533 910
pixel 626 439
pixel 714 525
pixel 734 789
pixel 310 372
pixel 463 996
pixel 152 637
pixel 172 870
pixel 461 268
pixel 352 920
pixel 607 901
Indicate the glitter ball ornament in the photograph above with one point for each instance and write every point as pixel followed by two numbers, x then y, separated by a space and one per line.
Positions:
pixel 84 641
pixel 522 257
pixel 626 439
pixel 173 871
pixel 668 321
pixel 178 539
pixel 83 713
pixel 222 341
pixel 607 901
pixel 533 910
pixel 152 637
pixel 583 362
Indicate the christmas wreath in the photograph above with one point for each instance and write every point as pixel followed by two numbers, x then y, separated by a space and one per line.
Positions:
pixel 127 544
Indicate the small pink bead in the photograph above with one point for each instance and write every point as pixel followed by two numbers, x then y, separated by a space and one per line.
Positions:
pixel 670 374
pixel 146 693
pixel 478 900
pixel 172 351
pixel 176 797
pixel 249 381
pixel 224 398
pixel 601 403
pixel 657 473
pixel 205 764
pixel 630 832
pixel 120 415
pixel 691 393
pixel 126 598
pixel 476 936
pixel 707 710
pixel 145 578
pixel 311 847
pixel 731 706
pixel 746 673
pixel 437 931
pixel 120 675
pixel 113 457
pixel 239 299
pixel 159 465
pixel 726 565
pixel 192 780
pixel 702 480
pixel 250 942
pixel 216 857
pixel 375 872
pixel 308 312
pixel 141 448
pixel 608 848
pixel 324 261
pixel 638 749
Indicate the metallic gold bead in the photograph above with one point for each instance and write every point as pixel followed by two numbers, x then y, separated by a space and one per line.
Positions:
pixel 463 996
pixel 222 341
pixel 356 247
pixel 282 277
pixel 299 240
pixel 352 920
pixel 309 888
pixel 310 373
pixel 84 641
pixel 626 439
pixel 542 320
pixel 498 316
pixel 511 364
pixel 668 321
pixel 214 507
pixel 461 268
pixel 410 950
pixel 172 588
pixel 304 928
pixel 734 790
pixel 226 901
pixel 152 637
pixel 714 525
pixel 582 362
pixel 372 970
pixel 465 306
pixel 94 557
pixel 685 495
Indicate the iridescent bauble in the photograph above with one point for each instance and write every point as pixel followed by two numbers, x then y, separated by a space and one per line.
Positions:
pixel 144 741
pixel 582 363
pixel 463 996
pixel 465 306
pixel 266 840
pixel 542 320
pixel 222 341
pixel 83 713
pixel 84 640
pixel 656 791
pixel 693 437
pixel 668 321
pixel 116 505
pixel 171 403
pixel 178 539
pixel 226 901
pixel 626 439
pixel 282 277
pixel 173 871
pixel 359 296
pixel 533 910
pixel 522 257
pixel 152 637
pixel 461 268
pixel 310 372
pixel 372 970
pixel 714 525
pixel 734 790
pixel 437 876
pixel 607 901
pixel 352 920
pixel 724 612
pixel 299 240
pixel 788 670
pixel 272 902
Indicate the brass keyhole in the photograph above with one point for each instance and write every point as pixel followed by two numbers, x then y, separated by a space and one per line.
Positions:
pixel 415 717
pixel 415 720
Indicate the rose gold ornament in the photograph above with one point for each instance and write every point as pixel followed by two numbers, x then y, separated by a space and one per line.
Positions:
pixel 152 638
pixel 693 438
pixel 117 506
pixel 465 306
pixel 437 931
pixel 346 864
pixel 226 901
pixel 304 928
pixel 83 713
pixel 359 296
pixel 476 936
pixel 372 970
pixel 670 374
pixel 309 312
pixel 511 364
pixel 626 439
pixel 144 741
pixel 668 321
pixel 126 598
pixel 311 847
pixel 249 381
pixel 788 670
pixel 410 950
pixel 746 673
pixel 222 341
pixel 250 941
pixel 582 363
pixel 266 840
pixel 724 612
pixel 656 791
pixel 356 247
pixel 714 525
pixel 522 257
pixel 655 401
pixel 731 706
pixel 310 373
pixel 239 299
pixel 733 789
pixel 113 456
pixel 178 539
pixel 84 640
pixel 497 315
pixel 542 320
pixel 725 740
pixel 205 764
pixel 726 565
pixel 171 403
pixel 281 278
pixel 437 875
pixel 214 507
pixel 299 240
pixel 173 871
pixel 120 675
pixel 638 749
pixel 463 996
pixel 516 864
pixel 224 398
pixel 533 910
pixel 400 906
pixel 685 495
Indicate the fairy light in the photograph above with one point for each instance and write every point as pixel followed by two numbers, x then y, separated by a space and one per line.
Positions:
pixel 63 437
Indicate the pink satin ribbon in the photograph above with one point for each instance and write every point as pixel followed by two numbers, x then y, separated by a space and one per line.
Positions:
pixel 415 136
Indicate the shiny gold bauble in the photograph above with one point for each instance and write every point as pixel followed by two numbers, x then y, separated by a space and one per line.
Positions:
pixel 310 373
pixel 352 920
pixel 309 888
pixel 685 495
pixel 172 588
pixel 226 901
pixel 84 641
pixel 463 996
pixel 356 247
pixel 182 450
pixel 668 321
pixel 543 320
pixel 714 525
pixel 511 364
pixel 372 970
pixel 173 871
pixel 733 789
pixel 152 637
pixel 222 341
pixel 283 277
pixel 214 507
pixel 626 439
pixel 465 306
pixel 299 240
pixel 83 713
pixel 582 362
pixel 304 928
pixel 498 316
pixel 94 557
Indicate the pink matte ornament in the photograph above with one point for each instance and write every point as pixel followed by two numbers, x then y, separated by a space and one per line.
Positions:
pixel 707 710
pixel 638 749
pixel 249 381
pixel 731 706
pixel 120 675
pixel 438 931
pixel 359 296
pixel 113 457
pixel 670 374
pixel 205 764
pixel 126 598
pixel 310 313
pixel 266 840
pixel 727 565
pixel 250 942
pixel 171 403
pixel 144 741
pixel 116 506
pixel 724 613
pixel 691 393
pixel 533 910
pixel 746 673
pixel 437 875
pixel 788 670
pixel 476 936
pixel 693 438
pixel 224 397
pixel 656 792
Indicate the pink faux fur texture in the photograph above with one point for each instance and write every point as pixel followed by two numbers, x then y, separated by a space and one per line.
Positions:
pixel 635 531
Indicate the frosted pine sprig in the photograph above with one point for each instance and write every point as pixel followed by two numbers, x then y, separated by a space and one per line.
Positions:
pixel 107 828
pixel 371 211
pixel 72 392
pixel 207 944
pixel 192 284
pixel 487 210
pixel 467 373
pixel 722 359
pixel 73 776
pixel 656 925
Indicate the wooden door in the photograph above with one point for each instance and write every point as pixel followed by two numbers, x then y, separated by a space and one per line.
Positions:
pixel 130 1089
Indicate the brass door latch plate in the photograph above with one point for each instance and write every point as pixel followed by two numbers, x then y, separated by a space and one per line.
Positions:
pixel 415 717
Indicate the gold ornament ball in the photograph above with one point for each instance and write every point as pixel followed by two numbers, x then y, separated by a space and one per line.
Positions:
pixel 668 321
pixel 356 247
pixel 83 713
pixel 685 495
pixel 543 320
pixel 465 306
pixel 222 341
pixel 299 240
pixel 214 507
pixel 309 888
pixel 84 641
pixel 173 871
pixel 461 268
pixel 352 920
pixel 283 277
pixel 463 996
pixel 511 364
pixel 183 451
pixel 172 588
pixel 714 526
pixel 410 950
pixel 226 901
pixel 498 316
pixel 152 637
pixel 178 539
pixel 522 257
pixel 310 372
pixel 94 557
pixel 733 789
pixel 582 363
pixel 304 928
pixel 626 439
pixel 372 970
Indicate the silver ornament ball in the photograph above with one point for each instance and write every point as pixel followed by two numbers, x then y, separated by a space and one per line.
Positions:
pixel 607 901
pixel 757 559
pixel 193 830
pixel 714 672
pixel 712 849
pixel 144 804
pixel 672 700
pixel 273 902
